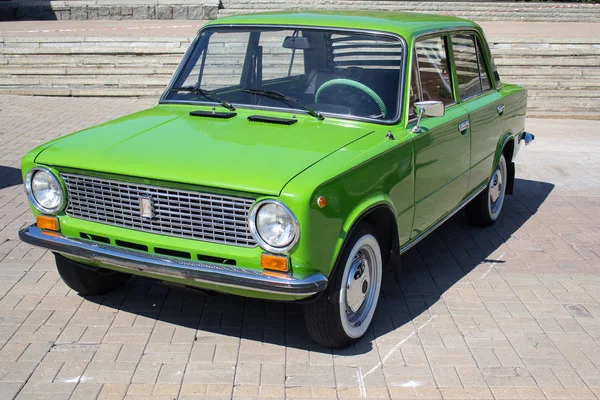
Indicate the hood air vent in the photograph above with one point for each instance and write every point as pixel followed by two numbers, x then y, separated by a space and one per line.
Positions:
pixel 213 114
pixel 272 120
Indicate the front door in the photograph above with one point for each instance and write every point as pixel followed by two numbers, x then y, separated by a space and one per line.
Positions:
pixel 442 146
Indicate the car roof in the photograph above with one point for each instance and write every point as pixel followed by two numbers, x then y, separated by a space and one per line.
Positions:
pixel 405 24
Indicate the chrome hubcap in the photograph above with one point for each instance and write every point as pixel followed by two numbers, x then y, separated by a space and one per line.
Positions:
pixel 496 186
pixel 496 189
pixel 360 286
pixel 358 283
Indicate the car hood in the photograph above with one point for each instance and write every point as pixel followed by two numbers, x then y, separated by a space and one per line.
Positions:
pixel 166 143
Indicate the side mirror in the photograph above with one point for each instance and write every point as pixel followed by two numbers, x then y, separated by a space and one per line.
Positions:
pixel 427 109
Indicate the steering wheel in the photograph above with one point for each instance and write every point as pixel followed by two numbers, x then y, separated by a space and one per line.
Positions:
pixel 356 85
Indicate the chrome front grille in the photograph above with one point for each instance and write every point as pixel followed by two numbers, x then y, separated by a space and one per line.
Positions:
pixel 192 215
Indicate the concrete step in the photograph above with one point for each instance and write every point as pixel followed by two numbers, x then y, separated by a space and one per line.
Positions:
pixel 562 114
pixel 473 10
pixel 86 70
pixel 483 16
pixel 124 50
pixel 96 40
pixel 590 72
pixel 210 9
pixel 497 6
pixel 561 77
pixel 83 92
pixel 548 84
pixel 561 94
pixel 108 9
pixel 554 51
pixel 91 60
pixel 573 62
pixel 559 103
pixel 92 80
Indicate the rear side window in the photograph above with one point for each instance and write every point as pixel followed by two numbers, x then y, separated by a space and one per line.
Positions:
pixel 471 68
pixel 432 58
pixel 496 74
pixel 467 65
pixel 483 68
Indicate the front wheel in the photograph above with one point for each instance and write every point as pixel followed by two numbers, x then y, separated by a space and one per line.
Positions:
pixel 485 209
pixel 344 312
pixel 86 280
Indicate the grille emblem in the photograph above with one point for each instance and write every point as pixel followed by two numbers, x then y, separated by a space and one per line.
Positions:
pixel 146 207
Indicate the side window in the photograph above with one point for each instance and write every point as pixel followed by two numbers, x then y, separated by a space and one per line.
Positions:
pixel 415 88
pixel 485 80
pixel 433 70
pixel 496 74
pixel 467 65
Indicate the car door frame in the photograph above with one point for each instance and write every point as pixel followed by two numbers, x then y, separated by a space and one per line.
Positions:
pixel 480 171
pixel 420 230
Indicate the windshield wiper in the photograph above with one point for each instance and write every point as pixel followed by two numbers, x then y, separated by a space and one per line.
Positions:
pixel 285 99
pixel 206 93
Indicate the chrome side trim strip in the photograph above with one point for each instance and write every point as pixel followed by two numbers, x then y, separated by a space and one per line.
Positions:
pixel 423 234
pixel 203 272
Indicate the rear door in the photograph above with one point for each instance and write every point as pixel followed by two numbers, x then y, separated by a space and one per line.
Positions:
pixel 442 149
pixel 481 100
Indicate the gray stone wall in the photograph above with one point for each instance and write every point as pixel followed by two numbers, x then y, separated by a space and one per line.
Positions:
pixel 477 10
pixel 109 10
pixel 562 75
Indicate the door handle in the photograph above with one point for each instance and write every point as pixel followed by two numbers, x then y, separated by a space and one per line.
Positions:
pixel 500 109
pixel 463 126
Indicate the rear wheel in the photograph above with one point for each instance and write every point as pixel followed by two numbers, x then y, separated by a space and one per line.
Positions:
pixel 485 209
pixel 86 280
pixel 344 312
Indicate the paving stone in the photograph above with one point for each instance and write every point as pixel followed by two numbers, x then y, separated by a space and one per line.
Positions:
pixel 529 329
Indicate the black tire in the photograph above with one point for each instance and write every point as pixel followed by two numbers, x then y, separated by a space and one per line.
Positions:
pixel 89 281
pixel 323 317
pixel 482 210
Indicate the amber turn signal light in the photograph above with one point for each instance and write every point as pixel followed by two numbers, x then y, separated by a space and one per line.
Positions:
pixel 274 263
pixel 321 202
pixel 45 222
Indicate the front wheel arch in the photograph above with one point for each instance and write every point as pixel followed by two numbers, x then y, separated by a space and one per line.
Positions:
pixel 381 216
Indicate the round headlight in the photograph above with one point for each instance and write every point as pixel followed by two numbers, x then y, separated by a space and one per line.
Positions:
pixel 274 226
pixel 44 190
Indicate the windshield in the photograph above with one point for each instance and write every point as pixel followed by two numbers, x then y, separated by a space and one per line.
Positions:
pixel 349 74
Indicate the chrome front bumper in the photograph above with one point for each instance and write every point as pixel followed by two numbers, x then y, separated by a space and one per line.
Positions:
pixel 223 275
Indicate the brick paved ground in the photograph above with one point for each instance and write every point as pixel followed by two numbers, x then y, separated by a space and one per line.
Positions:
pixel 506 312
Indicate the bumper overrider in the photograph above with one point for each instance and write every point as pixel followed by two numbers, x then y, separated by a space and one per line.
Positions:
pixel 526 138
pixel 133 261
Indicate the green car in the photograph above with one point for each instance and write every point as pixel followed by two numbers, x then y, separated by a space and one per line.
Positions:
pixel 292 157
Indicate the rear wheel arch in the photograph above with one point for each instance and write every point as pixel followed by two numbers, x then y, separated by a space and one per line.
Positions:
pixel 508 151
pixel 506 147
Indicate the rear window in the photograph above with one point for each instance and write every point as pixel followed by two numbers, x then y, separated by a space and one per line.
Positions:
pixel 365 52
